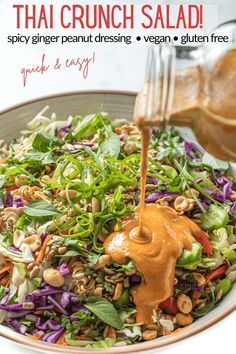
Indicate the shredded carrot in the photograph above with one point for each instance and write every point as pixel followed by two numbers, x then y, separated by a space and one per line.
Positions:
pixel 61 340
pixel 71 262
pixel 31 336
pixel 5 280
pixel 84 328
pixel 178 330
pixel 164 332
pixel 83 337
pixel 38 312
pixel 12 188
pixel 197 295
pixel 65 232
pixel 2 161
pixel 6 268
pixel 43 250
pixel 111 333
pixel 55 195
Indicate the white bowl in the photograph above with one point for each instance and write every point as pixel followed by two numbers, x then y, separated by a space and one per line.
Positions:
pixel 117 105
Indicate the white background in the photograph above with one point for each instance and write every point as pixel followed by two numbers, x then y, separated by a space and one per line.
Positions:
pixel 118 68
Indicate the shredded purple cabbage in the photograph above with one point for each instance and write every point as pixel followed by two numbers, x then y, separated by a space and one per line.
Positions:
pixel 17 203
pixel 11 307
pixel 64 130
pixel 227 190
pixel 57 305
pixel 14 249
pixel 46 307
pixel 152 180
pixel 155 196
pixel 221 180
pixel 8 201
pixel 48 291
pixel 79 307
pixel 68 297
pixel 17 314
pixel 43 301
pixel 89 247
pixel 17 326
pixel 191 147
pixel 43 236
pixel 199 180
pixel 233 206
pixel 63 269
pixel 49 324
pixel 135 279
pixel 87 144
pixel 53 336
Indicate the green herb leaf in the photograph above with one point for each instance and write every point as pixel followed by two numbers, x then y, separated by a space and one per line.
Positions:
pixel 45 157
pixel 104 309
pixel 37 282
pixel 39 209
pixel 41 142
pixel 111 145
pixel 88 125
pixel 124 300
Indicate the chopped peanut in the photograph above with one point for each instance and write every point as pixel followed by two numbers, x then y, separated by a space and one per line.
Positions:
pixel 184 304
pixel 53 277
pixel 184 320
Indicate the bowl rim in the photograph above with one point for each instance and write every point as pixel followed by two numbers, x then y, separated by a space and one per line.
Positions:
pixel 67 94
pixel 135 348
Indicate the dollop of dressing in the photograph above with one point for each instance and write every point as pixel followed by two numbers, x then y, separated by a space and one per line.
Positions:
pixel 168 233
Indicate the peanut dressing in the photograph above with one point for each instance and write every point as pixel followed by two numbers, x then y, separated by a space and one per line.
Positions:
pixel 156 258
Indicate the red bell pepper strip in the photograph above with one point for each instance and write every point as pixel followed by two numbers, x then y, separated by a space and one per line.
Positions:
pixel 170 305
pixel 202 238
pixel 217 273
pixel 12 188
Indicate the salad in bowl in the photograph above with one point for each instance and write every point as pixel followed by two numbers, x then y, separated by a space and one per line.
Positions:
pixel 64 187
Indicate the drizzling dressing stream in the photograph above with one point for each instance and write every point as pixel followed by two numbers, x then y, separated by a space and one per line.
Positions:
pixel 154 237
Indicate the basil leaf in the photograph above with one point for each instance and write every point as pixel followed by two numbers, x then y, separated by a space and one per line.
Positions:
pixel 41 142
pixel 215 163
pixel 41 209
pixel 104 309
pixel 111 146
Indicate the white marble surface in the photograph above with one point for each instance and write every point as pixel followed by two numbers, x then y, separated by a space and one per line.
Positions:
pixel 119 68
